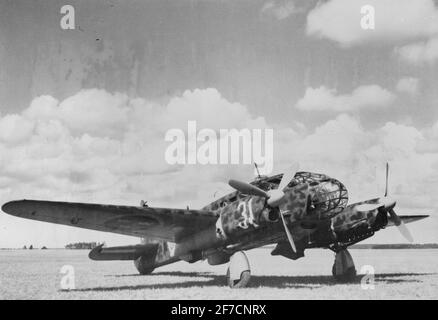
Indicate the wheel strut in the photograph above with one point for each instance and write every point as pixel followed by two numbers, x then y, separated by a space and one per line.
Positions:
pixel 343 268
pixel 238 272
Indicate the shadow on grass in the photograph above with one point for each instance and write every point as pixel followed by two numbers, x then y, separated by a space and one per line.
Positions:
pixel 395 277
pixel 213 280
pixel 164 273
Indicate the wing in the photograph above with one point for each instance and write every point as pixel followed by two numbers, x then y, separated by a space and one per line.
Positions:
pixel 159 223
pixel 407 219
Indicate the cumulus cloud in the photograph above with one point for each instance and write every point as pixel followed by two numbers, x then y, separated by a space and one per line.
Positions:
pixel 324 99
pixel 104 144
pixel 395 21
pixel 280 9
pixel 45 154
pixel 408 85
pixel 419 53
pixel 343 148
pixel 14 128
pixel 93 111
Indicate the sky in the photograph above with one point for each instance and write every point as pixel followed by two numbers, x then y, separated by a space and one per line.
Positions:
pixel 84 112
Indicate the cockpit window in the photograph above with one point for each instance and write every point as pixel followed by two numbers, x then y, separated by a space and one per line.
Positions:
pixel 328 196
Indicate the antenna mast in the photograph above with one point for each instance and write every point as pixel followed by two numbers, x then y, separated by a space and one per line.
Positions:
pixel 257 168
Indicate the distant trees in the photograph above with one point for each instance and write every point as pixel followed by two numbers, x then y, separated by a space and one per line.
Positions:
pixel 396 246
pixel 82 245
pixel 31 247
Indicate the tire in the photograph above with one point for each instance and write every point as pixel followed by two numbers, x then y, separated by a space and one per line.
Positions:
pixel 144 272
pixel 143 267
pixel 348 276
pixel 242 282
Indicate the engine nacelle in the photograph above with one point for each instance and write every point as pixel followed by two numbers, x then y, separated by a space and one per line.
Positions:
pixel 352 227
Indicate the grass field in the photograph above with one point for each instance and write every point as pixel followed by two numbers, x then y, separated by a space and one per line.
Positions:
pixel 399 274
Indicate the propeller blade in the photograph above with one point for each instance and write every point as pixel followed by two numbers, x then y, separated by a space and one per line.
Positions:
pixel 247 188
pixel 276 196
pixel 289 236
pixel 288 176
pixel 386 180
pixel 405 232
pixel 401 226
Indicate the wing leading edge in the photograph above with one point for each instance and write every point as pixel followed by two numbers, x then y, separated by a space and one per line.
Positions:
pixel 407 219
pixel 159 223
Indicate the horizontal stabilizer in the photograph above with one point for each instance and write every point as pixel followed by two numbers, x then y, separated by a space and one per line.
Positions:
pixel 123 252
pixel 407 219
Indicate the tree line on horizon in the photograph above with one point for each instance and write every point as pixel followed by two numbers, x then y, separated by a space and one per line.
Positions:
pixel 82 245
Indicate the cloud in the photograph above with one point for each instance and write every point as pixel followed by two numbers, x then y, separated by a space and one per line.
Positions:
pixel 395 21
pixel 97 146
pixel 280 9
pixel 344 149
pixel 93 111
pixel 408 85
pixel 419 53
pixel 15 129
pixel 324 99
pixel 62 158
pixel 104 143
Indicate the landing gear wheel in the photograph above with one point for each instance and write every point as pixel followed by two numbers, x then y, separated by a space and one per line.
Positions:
pixel 343 269
pixel 143 266
pixel 238 272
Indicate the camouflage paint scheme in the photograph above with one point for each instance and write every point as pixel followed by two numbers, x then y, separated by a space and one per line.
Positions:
pixel 315 210
pixel 246 222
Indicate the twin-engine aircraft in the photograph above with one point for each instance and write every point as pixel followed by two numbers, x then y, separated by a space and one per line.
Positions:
pixel 295 211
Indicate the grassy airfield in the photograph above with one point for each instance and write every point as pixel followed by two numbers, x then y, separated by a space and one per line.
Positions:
pixel 399 274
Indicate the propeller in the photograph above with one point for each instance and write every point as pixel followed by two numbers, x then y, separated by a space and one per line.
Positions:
pixel 389 205
pixel 247 188
pixel 401 226
pixel 386 179
pixel 275 198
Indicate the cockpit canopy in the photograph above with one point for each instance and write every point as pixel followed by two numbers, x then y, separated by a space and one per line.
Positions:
pixel 328 196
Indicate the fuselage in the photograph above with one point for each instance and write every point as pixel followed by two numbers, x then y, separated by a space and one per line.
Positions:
pixel 318 216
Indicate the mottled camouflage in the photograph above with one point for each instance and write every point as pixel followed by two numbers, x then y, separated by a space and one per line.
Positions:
pixel 296 201
pixel 241 216
pixel 315 208
pixel 164 251
pixel 350 217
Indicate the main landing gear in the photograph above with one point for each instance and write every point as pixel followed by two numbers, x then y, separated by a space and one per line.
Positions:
pixel 144 265
pixel 238 272
pixel 343 268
